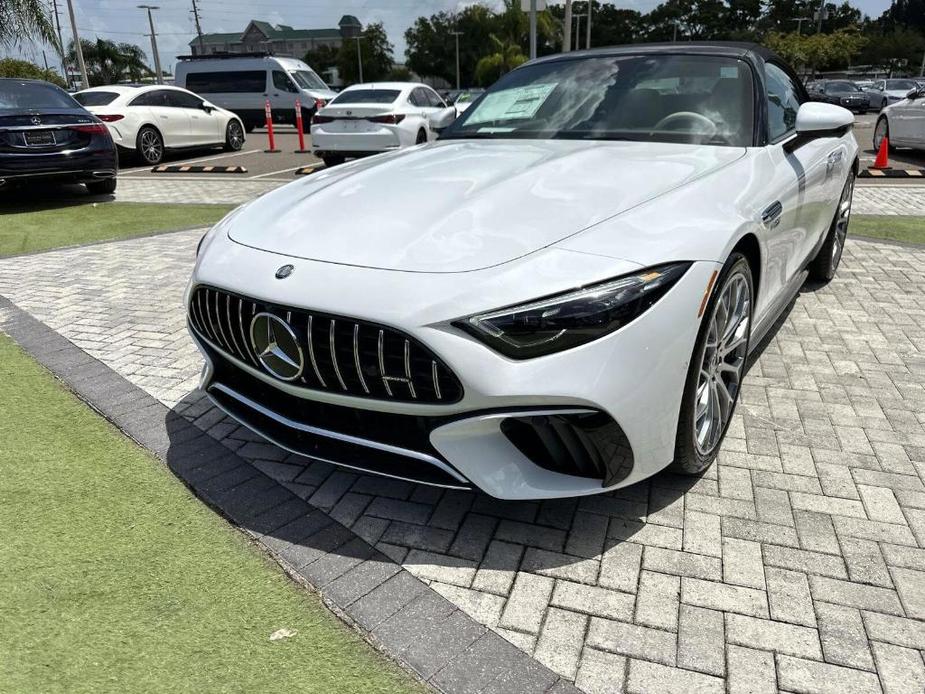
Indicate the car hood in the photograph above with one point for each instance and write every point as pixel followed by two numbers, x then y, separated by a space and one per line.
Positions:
pixel 457 206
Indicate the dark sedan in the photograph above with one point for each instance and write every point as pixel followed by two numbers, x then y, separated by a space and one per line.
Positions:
pixel 47 136
pixel 841 93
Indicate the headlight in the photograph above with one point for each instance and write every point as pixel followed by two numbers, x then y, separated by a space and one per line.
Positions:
pixel 574 318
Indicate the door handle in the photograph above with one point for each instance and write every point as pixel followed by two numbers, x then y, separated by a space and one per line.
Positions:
pixel 770 218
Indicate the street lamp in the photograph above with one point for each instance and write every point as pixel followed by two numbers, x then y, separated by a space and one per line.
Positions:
pixel 157 58
pixel 456 35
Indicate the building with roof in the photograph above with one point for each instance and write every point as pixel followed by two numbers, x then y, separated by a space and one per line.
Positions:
pixel 278 39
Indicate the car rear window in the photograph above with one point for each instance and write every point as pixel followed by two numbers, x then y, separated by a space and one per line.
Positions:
pixel 95 98
pixel 227 82
pixel 16 96
pixel 366 96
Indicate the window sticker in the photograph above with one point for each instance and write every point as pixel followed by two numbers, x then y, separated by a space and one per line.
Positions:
pixel 518 103
pixel 727 72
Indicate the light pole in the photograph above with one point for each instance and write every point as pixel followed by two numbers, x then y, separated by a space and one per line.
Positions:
pixel 532 29
pixel 674 36
pixel 77 47
pixel 157 58
pixel 588 25
pixel 359 56
pixel 456 35
pixel 567 29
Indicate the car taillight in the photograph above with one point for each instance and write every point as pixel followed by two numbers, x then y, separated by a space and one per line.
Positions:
pixel 110 118
pixel 391 119
pixel 89 128
pixel 316 119
pixel 319 103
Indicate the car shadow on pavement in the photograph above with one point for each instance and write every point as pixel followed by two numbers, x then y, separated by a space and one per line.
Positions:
pixel 15 199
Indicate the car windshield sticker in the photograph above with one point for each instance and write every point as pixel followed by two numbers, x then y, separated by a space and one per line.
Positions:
pixel 518 103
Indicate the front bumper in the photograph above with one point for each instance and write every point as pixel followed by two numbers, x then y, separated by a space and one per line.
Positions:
pixel 621 392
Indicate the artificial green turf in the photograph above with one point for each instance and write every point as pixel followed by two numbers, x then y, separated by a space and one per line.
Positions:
pixel 35 227
pixel 893 227
pixel 114 578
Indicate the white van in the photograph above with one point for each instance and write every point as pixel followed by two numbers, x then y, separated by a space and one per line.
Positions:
pixel 242 84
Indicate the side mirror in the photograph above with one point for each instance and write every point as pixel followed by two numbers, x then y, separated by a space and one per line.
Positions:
pixel 916 93
pixel 444 118
pixel 817 119
pixel 207 106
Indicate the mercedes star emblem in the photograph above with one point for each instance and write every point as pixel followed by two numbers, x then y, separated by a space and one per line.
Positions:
pixel 284 272
pixel 276 346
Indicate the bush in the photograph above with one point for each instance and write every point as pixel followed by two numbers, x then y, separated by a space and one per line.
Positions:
pixel 10 67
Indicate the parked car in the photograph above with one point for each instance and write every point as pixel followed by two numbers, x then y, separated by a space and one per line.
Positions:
pixel 378 117
pixel 243 83
pixel 903 122
pixel 46 136
pixel 146 121
pixel 464 99
pixel 841 93
pixel 886 92
pixel 556 298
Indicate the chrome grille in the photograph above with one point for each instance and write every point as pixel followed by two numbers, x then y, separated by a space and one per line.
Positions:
pixel 343 355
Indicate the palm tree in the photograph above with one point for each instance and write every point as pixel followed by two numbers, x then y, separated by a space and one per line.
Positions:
pixel 27 19
pixel 109 63
pixel 506 56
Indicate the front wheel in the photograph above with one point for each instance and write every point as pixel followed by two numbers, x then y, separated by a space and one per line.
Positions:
pixel 826 261
pixel 717 367
pixel 234 136
pixel 149 145
pixel 882 130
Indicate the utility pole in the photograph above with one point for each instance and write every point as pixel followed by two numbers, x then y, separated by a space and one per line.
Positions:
pixel 67 79
pixel 202 49
pixel 588 27
pixel 532 29
pixel 157 58
pixel 674 36
pixel 77 47
pixel 567 27
pixel 359 56
pixel 456 35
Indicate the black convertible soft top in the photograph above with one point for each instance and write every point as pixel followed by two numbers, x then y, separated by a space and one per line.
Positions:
pixel 733 49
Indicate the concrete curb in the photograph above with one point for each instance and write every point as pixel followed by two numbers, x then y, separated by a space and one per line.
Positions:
pixel 398 613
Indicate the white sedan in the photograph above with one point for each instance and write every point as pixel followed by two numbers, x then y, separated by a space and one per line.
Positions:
pixel 378 117
pixel 903 122
pixel 149 120
pixel 558 297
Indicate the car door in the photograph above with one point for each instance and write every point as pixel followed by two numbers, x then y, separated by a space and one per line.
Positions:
pixel 172 122
pixel 283 93
pixel 203 126
pixel 438 109
pixel 907 122
pixel 797 205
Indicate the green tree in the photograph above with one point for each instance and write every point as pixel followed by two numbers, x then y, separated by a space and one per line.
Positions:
pixel 399 73
pixel 10 67
pixel 506 56
pixel 26 19
pixel 376 52
pixel 817 51
pixel 893 50
pixel 322 58
pixel 110 63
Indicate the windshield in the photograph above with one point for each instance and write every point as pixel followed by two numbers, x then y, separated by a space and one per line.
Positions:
pixel 836 87
pixel 366 96
pixel 900 85
pixel 95 98
pixel 308 80
pixel 33 96
pixel 652 98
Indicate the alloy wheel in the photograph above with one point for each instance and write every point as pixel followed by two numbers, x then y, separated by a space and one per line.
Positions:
pixel 235 135
pixel 841 221
pixel 723 363
pixel 879 133
pixel 151 147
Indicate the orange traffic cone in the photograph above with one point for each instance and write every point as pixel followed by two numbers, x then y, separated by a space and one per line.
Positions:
pixel 882 161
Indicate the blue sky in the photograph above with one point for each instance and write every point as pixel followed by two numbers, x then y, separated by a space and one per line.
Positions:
pixel 120 20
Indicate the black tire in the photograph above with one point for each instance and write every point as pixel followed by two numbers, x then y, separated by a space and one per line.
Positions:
pixel 331 160
pixel 234 136
pixel 886 133
pixel 692 458
pixel 421 138
pixel 105 186
pixel 824 265
pixel 149 145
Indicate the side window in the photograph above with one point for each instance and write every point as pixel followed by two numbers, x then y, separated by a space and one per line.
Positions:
pixel 417 97
pixel 155 98
pixel 183 100
pixel 783 102
pixel 281 81
pixel 434 99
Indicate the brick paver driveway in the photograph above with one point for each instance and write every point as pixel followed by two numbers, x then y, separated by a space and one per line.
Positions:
pixel 796 563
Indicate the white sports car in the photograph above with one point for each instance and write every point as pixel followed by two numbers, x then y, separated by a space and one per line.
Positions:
pixel 149 120
pixel 556 298
pixel 903 122
pixel 378 117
